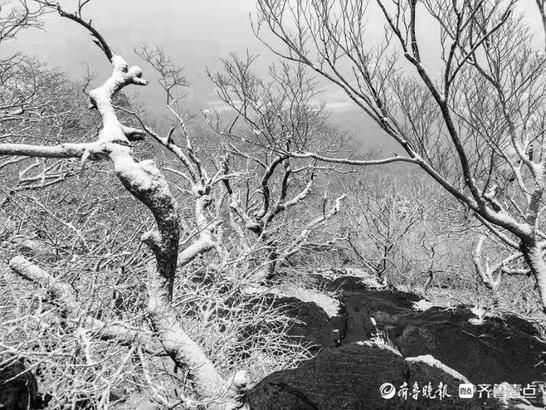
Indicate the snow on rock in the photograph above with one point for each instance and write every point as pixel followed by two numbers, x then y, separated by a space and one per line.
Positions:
pixel 422 305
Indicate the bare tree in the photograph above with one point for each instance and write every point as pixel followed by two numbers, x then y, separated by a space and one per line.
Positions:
pixel 270 121
pixel 472 119
pixel 199 313
pixel 382 215
pixel 14 17
pixel 250 181
pixel 17 15
pixel 148 185
pixel 26 102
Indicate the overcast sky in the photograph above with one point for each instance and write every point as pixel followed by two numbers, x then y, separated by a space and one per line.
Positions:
pixel 196 33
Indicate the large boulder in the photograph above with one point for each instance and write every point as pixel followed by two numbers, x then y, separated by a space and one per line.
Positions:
pixel 350 377
pixel 492 350
pixel 312 324
pixel 18 387
pixel 485 349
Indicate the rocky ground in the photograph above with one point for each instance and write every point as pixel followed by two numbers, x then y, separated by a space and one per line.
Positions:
pixel 371 340
pixel 413 344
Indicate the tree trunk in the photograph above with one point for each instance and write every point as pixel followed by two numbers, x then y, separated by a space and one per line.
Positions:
pixel 266 272
pixel 208 383
pixel 534 259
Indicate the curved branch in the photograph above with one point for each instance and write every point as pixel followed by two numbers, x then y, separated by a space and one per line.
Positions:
pixel 65 294
pixel 485 272
pixel 348 161
pixel 98 38
pixel 54 151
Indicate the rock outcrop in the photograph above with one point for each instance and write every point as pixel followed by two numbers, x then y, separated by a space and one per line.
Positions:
pixel 350 377
pixel 479 350
pixel 18 387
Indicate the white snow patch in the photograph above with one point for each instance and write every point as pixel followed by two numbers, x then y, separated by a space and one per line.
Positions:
pixel 422 305
pixel 330 305
pixel 380 344
pixel 432 362
pixel 480 314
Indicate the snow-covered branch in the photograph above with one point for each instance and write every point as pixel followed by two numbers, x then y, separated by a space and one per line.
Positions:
pixel 66 297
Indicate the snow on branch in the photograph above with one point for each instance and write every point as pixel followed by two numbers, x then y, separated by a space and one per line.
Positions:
pixel 146 183
pixel 301 239
pixel 65 294
pixel 492 275
pixel 56 151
